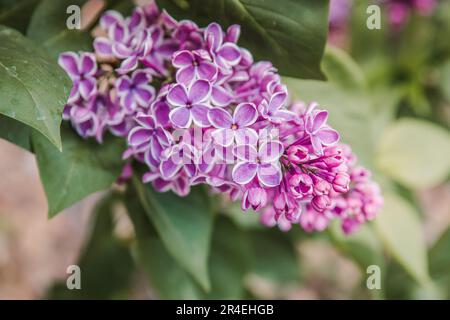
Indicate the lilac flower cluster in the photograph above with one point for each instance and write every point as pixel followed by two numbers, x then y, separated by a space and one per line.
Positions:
pixel 196 109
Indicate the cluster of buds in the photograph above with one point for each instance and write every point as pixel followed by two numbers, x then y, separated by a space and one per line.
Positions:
pixel 195 108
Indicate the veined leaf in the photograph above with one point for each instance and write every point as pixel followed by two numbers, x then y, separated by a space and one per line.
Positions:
pixel 33 89
pixel 82 168
pixel 184 225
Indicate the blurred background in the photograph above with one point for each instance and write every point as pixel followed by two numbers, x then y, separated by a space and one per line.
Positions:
pixel 400 72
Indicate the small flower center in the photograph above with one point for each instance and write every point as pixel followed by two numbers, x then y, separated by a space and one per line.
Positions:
pixel 195 63
pixel 234 126
pixel 258 160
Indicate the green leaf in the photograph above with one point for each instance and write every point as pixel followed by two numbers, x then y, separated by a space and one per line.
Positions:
pixel 33 89
pixel 228 262
pixel 289 33
pixel 274 257
pixel 82 168
pixel 184 225
pixel 15 132
pixel 415 153
pixel 341 69
pixel 16 13
pixel 106 264
pixel 399 228
pixel 48 27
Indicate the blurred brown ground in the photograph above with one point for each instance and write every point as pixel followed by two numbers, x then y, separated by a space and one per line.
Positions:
pixel 35 251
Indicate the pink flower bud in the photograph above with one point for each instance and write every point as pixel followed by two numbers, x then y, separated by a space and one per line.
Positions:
pixel 298 154
pixel 301 185
pixel 321 187
pixel 341 182
pixel 320 203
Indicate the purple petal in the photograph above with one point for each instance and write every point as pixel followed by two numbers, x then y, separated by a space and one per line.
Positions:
pixel 284 115
pixel 109 18
pixel 169 168
pixel 103 47
pixel 181 186
pixel 138 136
pixel 277 101
pixel 69 62
pixel 162 185
pixel 123 85
pixel 220 118
pixel 199 92
pixel 185 75
pixel 246 136
pixel 231 53
pixel 118 32
pixel 319 120
pixel 145 120
pixel 233 33
pixel 270 151
pixel 87 88
pixel 245 114
pixel 88 65
pixel 161 111
pixel 121 51
pixel 200 115
pixel 244 172
pixel 269 174
pixel 328 136
pixel 137 19
pixel 317 145
pixel 144 95
pixel 181 117
pixel 220 97
pixel 182 59
pixel 207 70
pixel 128 65
pixel 177 96
pixel 141 77
pixel 246 153
pixel 214 36
pixel 223 137
pixel 129 102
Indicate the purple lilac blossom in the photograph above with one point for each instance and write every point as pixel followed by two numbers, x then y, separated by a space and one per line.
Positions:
pixel 196 108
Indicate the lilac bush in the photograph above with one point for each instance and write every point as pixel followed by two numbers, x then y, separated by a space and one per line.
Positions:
pixel 195 108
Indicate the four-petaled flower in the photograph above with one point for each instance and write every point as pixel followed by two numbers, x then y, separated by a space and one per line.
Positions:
pixel 225 54
pixel 320 134
pixel 149 138
pixel 135 91
pixel 190 104
pixel 273 111
pixel 234 128
pixel 195 64
pixel 81 70
pixel 263 163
